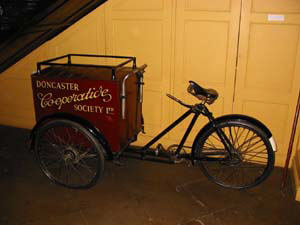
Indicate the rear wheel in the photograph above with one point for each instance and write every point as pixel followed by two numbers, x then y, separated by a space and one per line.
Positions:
pixel 250 163
pixel 69 154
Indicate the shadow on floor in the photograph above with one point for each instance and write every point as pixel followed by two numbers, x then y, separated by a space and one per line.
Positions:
pixel 137 193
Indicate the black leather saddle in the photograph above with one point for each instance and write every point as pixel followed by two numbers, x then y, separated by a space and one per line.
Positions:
pixel 206 95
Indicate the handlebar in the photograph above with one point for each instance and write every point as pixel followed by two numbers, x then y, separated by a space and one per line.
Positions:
pixel 178 101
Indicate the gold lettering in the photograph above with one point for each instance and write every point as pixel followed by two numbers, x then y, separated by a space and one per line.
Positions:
pixel 47 100
pixel 109 110
pixel 70 98
pixel 87 94
pixel 91 108
pixel 48 85
pixel 85 108
pixel 104 93
pixel 96 94
pixel 38 83
pixel 80 97
pixel 76 87
pixel 58 102
pixel 57 85
pixel 99 109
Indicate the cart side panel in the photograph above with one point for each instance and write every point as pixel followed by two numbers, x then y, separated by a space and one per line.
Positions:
pixel 131 124
pixel 97 101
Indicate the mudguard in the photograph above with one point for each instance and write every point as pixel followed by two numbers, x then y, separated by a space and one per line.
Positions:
pixel 237 117
pixel 86 124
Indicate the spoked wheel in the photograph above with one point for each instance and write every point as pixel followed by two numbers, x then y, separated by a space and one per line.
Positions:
pixel 69 154
pixel 250 163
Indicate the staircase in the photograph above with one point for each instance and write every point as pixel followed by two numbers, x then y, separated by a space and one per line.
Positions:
pixel 27 24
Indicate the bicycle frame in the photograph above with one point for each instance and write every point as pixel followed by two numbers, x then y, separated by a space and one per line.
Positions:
pixel 197 110
pixel 170 127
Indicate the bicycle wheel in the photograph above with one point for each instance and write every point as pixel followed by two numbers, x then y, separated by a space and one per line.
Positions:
pixel 68 154
pixel 251 162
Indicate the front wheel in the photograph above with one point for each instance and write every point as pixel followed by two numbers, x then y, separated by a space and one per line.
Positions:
pixel 251 161
pixel 69 154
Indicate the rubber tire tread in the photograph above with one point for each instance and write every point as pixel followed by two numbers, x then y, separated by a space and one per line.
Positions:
pixel 200 140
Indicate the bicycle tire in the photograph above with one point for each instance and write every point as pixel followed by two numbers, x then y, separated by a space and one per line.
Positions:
pixel 252 162
pixel 68 154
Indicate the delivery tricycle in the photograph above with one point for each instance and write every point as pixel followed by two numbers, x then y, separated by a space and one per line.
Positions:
pixel 89 113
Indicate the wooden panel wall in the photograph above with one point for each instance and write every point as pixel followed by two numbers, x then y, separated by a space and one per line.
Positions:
pixel 206 43
pixel 184 40
pixel 268 72
pixel 144 29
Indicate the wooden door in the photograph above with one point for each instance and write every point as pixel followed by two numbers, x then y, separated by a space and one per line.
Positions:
pixel 144 29
pixel 205 52
pixel 268 79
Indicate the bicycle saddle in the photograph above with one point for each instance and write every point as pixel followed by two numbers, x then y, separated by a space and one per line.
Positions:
pixel 207 95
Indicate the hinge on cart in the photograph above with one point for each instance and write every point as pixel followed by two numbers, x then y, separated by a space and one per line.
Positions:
pixel 142 124
pixel 140 83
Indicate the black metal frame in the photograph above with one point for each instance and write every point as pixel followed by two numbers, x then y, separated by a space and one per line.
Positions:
pixel 51 62
pixel 197 110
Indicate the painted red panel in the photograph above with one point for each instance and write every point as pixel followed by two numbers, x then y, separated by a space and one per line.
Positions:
pixel 95 100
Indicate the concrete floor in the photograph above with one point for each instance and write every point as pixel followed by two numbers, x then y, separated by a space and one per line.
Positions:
pixel 137 193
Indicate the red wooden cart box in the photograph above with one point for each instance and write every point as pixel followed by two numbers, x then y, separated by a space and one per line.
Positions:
pixel 109 97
